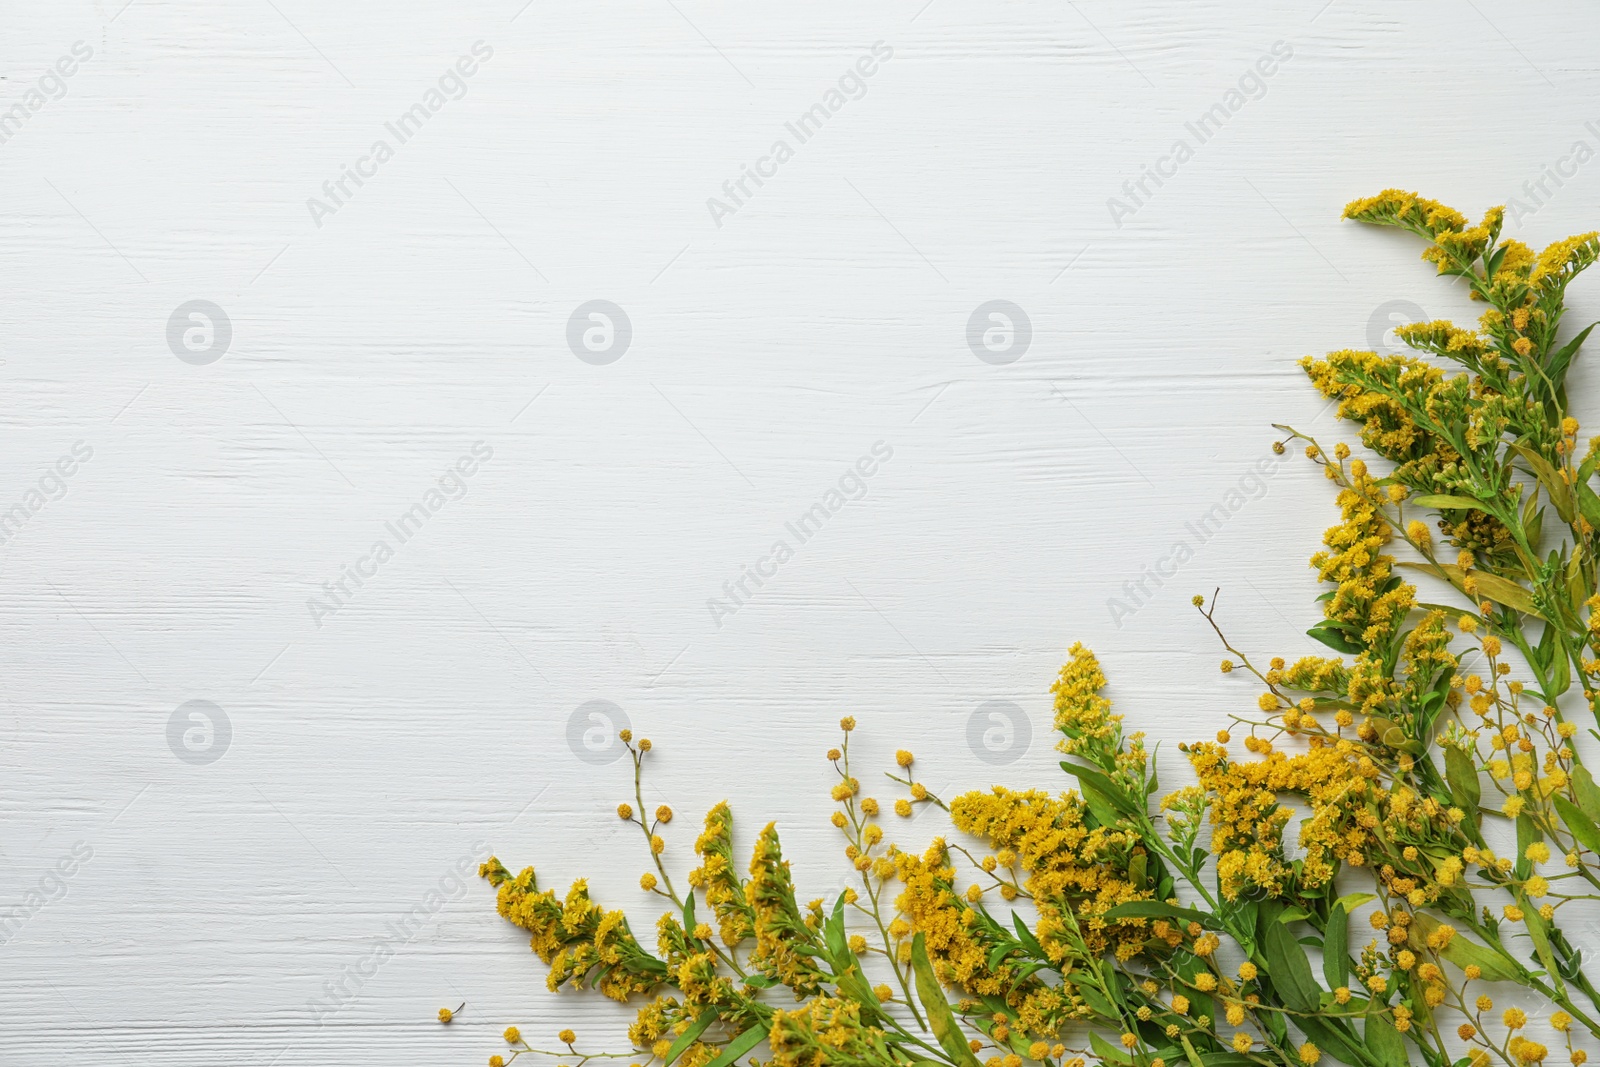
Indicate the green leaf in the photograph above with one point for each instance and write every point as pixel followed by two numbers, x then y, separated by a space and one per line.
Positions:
pixel 1384 1042
pixel 1336 947
pixel 690 1036
pixel 1500 590
pixel 1586 792
pixel 1581 826
pixel 1465 953
pixel 1289 967
pixel 1107 1051
pixel 1099 782
pixel 940 1017
pixel 1462 774
pixel 740 1045
pixel 1562 358
pixel 1157 909
pixel 1329 633
pixel 833 933
pixel 1352 901
pixel 1528 834
pixel 1440 501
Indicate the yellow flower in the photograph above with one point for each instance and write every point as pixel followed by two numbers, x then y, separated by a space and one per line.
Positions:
pixel 1309 1054
pixel 664 813
pixel 566 1037
pixel 1180 1004
pixel 445 1015
pixel 624 811
pixel 512 1035
pixel 1561 1021
pixel 903 758
pixel 1129 1040
pixel 497 1061
pixel 1242 1042
pixel 1247 971
pixel 647 881
pixel 847 724
pixel 1342 994
pixel 902 808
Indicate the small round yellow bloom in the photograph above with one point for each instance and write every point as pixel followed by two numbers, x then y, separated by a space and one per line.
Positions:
pixel 1247 971
pixel 902 808
pixel 903 758
pixel 497 1061
pixel 512 1035
pixel 1129 1040
pixel 1223 737
pixel 624 811
pixel 1472 971
pixel 1378 983
pixel 1038 1050
pixel 1514 1018
pixel 1242 1042
pixel 1417 530
pixel 1561 1021
pixel 644 744
pixel 1485 1003
pixel 647 881
pixel 847 723
pixel 445 1015
pixel 883 992
pixel 664 813
pixel 1342 994
pixel 1227 666
pixel 566 1037
pixel 1180 1004
pixel 1309 1054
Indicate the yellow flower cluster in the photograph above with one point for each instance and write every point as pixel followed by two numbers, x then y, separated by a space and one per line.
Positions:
pixel 1070 866
pixel 575 936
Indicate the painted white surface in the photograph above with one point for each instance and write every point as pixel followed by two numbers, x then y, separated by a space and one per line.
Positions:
pixel 370 753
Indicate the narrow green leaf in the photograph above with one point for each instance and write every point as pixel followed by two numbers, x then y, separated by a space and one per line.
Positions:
pixel 1330 634
pixel 940 1017
pixel 740 1045
pixel 1336 948
pixel 1582 827
pixel 1462 774
pixel 1384 1042
pixel 1441 501
pixel 1586 792
pixel 1157 909
pixel 1289 968
pixel 690 1036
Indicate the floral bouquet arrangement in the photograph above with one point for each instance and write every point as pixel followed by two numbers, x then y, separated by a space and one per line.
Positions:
pixel 1442 820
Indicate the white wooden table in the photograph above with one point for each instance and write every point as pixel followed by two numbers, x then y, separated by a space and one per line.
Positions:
pixel 197 492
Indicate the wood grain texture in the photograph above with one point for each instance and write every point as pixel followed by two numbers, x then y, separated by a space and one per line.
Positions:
pixel 375 748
